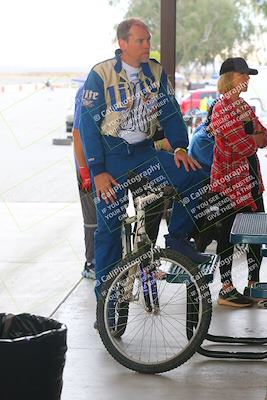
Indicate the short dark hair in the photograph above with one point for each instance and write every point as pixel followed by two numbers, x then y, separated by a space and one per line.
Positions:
pixel 124 27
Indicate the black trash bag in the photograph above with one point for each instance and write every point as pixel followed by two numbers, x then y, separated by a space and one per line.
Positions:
pixel 32 357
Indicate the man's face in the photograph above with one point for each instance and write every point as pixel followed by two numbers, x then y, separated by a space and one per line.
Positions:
pixel 136 50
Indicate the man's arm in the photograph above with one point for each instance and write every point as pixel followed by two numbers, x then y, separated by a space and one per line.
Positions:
pixel 92 106
pixel 201 147
pixel 78 148
pixel 92 110
pixel 80 159
pixel 86 182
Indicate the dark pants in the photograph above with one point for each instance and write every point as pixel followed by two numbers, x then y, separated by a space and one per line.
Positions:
pixel 89 221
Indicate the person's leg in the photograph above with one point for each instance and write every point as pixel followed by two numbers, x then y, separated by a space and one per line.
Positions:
pixel 189 186
pixel 160 167
pixel 228 295
pixel 89 219
pixel 206 230
pixel 153 217
pixel 162 171
pixel 225 250
pixel 108 245
pixel 254 259
pixel 89 223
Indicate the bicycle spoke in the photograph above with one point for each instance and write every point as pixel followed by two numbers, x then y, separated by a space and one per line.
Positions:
pixel 163 336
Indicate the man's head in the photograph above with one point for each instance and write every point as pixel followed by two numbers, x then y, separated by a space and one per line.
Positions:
pixel 234 74
pixel 134 40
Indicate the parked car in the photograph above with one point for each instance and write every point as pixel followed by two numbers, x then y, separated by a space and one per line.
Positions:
pixel 198 100
pixel 214 79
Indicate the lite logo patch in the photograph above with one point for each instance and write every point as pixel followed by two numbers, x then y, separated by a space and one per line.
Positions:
pixel 89 97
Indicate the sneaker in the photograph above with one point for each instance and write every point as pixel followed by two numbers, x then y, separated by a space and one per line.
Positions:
pixel 88 271
pixel 233 298
pixel 186 248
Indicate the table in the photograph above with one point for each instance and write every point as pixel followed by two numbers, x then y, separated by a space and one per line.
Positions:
pixel 247 228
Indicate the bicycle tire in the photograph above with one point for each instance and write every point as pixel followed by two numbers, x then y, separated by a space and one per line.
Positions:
pixel 117 347
pixel 122 320
pixel 122 311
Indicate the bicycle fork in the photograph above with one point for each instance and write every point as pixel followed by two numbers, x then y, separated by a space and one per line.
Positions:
pixel 150 290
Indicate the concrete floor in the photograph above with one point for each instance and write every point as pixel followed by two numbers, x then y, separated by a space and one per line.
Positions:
pixel 90 372
pixel 40 265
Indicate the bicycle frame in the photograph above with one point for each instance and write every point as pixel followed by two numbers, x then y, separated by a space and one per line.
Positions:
pixel 141 239
pixel 140 236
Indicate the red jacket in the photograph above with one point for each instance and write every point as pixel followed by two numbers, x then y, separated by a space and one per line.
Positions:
pixel 230 170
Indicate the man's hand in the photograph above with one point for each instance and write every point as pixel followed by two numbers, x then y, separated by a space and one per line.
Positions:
pixel 181 156
pixel 86 178
pixel 103 184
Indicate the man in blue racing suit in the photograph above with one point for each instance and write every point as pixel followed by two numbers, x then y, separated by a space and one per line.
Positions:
pixel 124 100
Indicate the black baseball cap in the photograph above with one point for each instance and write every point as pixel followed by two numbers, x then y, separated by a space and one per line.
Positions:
pixel 237 64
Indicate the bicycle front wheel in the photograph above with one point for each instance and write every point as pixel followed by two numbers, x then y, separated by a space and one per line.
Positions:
pixel 151 333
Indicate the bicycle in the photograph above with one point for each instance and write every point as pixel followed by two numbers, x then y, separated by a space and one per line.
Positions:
pixel 155 308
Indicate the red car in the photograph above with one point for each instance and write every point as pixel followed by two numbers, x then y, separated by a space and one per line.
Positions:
pixel 197 100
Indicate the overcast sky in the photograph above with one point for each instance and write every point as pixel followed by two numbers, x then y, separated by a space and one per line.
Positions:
pixel 56 33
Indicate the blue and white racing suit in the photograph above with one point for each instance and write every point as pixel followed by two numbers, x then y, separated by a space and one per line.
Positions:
pixel 107 104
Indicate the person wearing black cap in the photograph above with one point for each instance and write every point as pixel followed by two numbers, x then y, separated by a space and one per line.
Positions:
pixel 237 64
pixel 235 173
